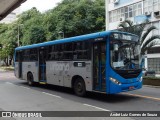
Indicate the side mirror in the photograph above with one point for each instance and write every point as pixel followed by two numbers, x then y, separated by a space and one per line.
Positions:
pixel 115 47
pixel 144 69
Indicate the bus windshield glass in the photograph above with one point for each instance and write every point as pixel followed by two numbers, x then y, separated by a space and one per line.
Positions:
pixel 125 53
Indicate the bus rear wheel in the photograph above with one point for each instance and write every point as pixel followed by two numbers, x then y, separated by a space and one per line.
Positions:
pixel 79 87
pixel 30 79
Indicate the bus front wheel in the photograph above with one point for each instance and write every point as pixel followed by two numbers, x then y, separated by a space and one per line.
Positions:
pixel 79 87
pixel 30 79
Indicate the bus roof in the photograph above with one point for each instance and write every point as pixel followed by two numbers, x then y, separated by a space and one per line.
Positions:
pixel 71 39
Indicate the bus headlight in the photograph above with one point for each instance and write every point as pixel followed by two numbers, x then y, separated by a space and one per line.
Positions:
pixel 140 80
pixel 115 81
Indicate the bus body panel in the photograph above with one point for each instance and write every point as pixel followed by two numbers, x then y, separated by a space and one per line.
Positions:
pixel 124 87
pixel 16 69
pixel 61 72
pixel 71 39
pixel 126 84
pixel 30 67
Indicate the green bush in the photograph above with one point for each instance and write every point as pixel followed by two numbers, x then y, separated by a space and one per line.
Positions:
pixel 151 78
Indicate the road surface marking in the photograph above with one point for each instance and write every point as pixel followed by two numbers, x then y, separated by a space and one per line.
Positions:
pixel 9 83
pixel 25 87
pixel 142 96
pixel 96 107
pixel 52 95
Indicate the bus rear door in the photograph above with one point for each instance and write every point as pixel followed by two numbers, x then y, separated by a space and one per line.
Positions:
pixel 19 64
pixel 42 65
pixel 99 66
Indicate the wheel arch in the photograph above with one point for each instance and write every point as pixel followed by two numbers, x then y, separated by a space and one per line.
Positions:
pixel 29 72
pixel 74 78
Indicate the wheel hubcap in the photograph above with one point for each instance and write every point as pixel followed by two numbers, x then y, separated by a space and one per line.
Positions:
pixel 79 87
pixel 29 79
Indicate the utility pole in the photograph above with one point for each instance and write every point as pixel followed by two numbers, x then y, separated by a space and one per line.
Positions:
pixel 19 34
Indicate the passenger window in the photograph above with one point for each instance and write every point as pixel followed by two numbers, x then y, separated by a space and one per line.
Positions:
pixel 68 51
pixel 26 55
pixel 51 52
pixel 33 55
pixel 81 50
pixel 17 56
pixel 55 52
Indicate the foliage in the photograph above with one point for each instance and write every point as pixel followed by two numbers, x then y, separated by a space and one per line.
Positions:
pixel 31 29
pixel 143 31
pixel 8 42
pixel 151 78
pixel 75 18
pixel 72 17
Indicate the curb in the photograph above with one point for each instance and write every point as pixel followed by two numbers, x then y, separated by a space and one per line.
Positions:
pixel 152 86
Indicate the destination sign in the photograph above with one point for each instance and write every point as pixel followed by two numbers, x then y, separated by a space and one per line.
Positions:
pixel 122 36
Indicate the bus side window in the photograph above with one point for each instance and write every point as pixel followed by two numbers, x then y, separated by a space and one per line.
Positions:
pixel 17 56
pixel 51 52
pixel 33 55
pixel 67 51
pixel 26 55
pixel 60 51
pixel 81 50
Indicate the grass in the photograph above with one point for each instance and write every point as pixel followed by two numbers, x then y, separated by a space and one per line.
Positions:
pixel 7 68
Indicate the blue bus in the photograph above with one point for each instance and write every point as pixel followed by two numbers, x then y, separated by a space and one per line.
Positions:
pixel 106 62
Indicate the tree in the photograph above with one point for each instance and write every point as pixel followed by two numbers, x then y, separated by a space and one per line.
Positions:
pixel 6 53
pixel 8 41
pixel 32 30
pixel 72 17
pixel 143 31
pixel 35 34
pixel 75 17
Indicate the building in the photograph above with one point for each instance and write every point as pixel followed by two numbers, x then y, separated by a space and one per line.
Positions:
pixel 11 17
pixel 153 59
pixel 137 11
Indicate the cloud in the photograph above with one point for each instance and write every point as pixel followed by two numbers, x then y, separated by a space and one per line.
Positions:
pixel 41 5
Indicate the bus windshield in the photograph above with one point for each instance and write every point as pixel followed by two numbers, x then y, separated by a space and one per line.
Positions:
pixel 125 54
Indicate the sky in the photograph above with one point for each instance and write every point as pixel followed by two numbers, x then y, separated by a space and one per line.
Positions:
pixel 41 5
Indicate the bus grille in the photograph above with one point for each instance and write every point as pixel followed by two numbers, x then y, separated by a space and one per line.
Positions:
pixel 128 73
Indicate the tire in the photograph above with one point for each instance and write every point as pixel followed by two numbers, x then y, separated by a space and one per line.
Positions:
pixel 30 79
pixel 79 87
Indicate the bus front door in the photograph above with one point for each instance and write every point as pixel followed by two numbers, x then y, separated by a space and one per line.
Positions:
pixel 42 65
pixel 99 66
pixel 19 64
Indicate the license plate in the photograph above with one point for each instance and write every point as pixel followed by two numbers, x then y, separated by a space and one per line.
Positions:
pixel 131 87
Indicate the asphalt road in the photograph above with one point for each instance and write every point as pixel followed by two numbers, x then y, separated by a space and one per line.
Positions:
pixel 16 95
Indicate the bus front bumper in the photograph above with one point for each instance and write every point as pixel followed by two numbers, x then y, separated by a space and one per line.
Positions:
pixel 115 88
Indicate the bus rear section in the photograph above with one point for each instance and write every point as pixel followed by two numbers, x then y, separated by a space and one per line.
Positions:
pixel 27 64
